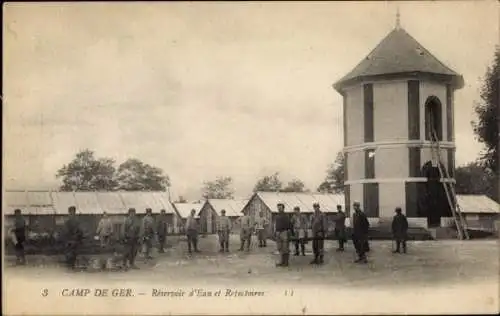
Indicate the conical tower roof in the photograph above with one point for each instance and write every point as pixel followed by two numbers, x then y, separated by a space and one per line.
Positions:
pixel 399 54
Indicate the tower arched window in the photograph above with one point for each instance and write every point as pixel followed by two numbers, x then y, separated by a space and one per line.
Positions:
pixel 433 118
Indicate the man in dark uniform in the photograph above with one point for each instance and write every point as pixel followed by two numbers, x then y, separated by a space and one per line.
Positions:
pixel 19 235
pixel 148 233
pixel 283 229
pixel 319 229
pixel 399 230
pixel 73 235
pixel 161 229
pixel 360 233
pixel 192 232
pixel 131 236
pixel 340 228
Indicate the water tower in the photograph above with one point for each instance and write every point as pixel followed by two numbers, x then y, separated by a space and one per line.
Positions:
pixel 392 100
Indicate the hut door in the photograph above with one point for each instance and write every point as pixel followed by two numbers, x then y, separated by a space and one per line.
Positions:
pixel 208 224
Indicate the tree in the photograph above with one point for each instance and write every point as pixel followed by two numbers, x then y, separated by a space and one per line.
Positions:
pixel 270 183
pixel 181 199
pixel 295 185
pixel 486 126
pixel 135 175
pixel 473 178
pixel 220 188
pixel 87 173
pixel 334 180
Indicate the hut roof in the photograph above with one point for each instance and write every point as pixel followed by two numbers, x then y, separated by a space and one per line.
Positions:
pixel 327 202
pixel 233 207
pixel 54 202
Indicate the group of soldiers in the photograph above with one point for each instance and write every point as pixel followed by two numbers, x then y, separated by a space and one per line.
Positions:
pixel 136 233
pixel 296 228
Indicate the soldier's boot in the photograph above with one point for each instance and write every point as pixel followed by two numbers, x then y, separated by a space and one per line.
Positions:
pixel 133 266
pixel 282 261
pixel 315 260
pixel 404 246
pixel 297 249
pixel 286 257
pixel 148 254
pixel 341 246
pixel 320 261
pixel 303 249
pixel 195 246
pixel 22 259
pixel 132 262
pixel 397 248
pixel 361 259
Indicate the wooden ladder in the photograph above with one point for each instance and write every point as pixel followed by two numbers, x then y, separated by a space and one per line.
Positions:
pixel 449 188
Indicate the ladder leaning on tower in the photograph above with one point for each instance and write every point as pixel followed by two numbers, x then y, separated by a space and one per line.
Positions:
pixel 449 187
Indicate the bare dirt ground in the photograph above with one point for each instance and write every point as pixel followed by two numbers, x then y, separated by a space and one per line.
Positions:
pixel 470 268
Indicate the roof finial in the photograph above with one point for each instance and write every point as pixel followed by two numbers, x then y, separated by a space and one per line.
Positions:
pixel 398 18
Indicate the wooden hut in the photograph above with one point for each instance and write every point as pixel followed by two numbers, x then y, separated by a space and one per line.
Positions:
pixel 211 210
pixel 267 203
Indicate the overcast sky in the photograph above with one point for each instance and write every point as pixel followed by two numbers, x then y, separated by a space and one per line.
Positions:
pixel 209 89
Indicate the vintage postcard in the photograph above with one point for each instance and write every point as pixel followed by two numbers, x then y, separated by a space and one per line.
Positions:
pixel 242 158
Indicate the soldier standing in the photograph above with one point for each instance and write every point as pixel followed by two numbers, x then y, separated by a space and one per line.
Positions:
pixel 19 236
pixel 261 225
pixel 148 232
pixel 105 230
pixel 283 229
pixel 319 228
pixel 400 230
pixel 73 235
pixel 245 232
pixel 161 229
pixel 131 235
pixel 299 222
pixel 192 232
pixel 360 233
pixel 340 228
pixel 224 230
